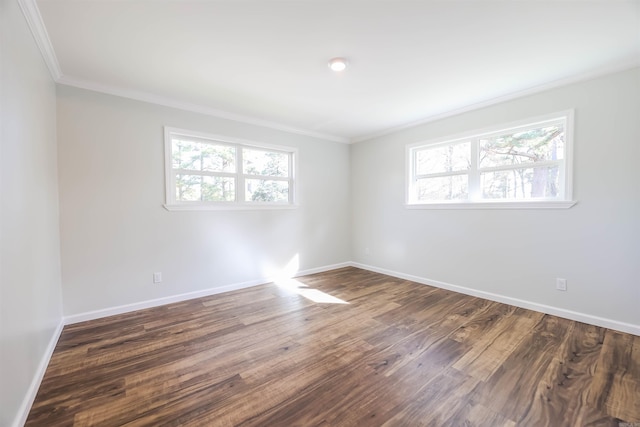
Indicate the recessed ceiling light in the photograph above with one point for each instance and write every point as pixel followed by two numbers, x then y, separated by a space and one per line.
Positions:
pixel 338 64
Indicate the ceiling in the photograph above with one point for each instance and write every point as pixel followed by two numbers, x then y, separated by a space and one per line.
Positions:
pixel 265 61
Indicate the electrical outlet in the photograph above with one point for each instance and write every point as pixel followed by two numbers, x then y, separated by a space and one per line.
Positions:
pixel 367 251
pixel 157 277
pixel 561 284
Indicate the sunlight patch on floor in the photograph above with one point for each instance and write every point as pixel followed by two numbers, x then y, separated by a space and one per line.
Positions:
pixel 314 295
pixel 285 280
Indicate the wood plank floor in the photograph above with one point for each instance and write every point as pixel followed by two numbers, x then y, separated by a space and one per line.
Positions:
pixel 397 354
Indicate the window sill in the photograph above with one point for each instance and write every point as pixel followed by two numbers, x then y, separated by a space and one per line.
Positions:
pixel 229 207
pixel 546 204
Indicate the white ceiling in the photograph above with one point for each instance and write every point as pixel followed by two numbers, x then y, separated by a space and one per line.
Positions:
pixel 266 60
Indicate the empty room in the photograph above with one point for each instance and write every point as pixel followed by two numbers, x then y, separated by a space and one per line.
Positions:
pixel 320 213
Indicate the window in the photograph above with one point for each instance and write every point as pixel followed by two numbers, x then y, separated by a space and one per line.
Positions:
pixel 213 172
pixel 519 165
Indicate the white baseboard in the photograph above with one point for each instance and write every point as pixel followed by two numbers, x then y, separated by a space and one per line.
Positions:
pixel 126 308
pixel 32 391
pixel 323 269
pixel 30 396
pixel 547 309
pixel 560 312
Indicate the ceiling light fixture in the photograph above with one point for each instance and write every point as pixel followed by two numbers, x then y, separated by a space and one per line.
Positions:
pixel 338 64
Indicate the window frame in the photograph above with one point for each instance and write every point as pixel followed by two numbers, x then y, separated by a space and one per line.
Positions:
pixel 475 201
pixel 172 204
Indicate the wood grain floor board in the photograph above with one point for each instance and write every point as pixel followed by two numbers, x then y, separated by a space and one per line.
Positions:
pixel 475 415
pixel 450 388
pixel 616 384
pixel 496 339
pixel 396 353
pixel 517 378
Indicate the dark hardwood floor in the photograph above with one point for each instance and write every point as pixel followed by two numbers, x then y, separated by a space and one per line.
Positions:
pixel 398 354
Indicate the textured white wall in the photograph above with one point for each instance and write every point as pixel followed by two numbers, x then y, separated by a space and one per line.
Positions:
pixel 518 253
pixel 115 232
pixel 30 291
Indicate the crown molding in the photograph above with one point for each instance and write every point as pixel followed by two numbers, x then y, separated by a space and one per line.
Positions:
pixel 38 30
pixel 602 71
pixel 36 25
pixel 34 20
pixel 195 108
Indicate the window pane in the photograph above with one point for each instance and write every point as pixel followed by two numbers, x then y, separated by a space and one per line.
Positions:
pixel 267 163
pixel 448 158
pixel 443 188
pixel 263 190
pixel 199 156
pixel 205 188
pixel 525 183
pixel 534 145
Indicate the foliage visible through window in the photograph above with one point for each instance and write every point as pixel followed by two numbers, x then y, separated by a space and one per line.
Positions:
pixel 218 171
pixel 264 165
pixel 524 163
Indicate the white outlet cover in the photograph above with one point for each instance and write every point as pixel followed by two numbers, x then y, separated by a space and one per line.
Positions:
pixel 157 277
pixel 561 284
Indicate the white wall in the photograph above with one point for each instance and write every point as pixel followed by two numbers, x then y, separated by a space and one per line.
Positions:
pixel 518 253
pixel 115 232
pixel 30 291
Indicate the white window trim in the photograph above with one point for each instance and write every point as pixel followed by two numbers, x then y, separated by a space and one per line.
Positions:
pixel 171 204
pixel 564 203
